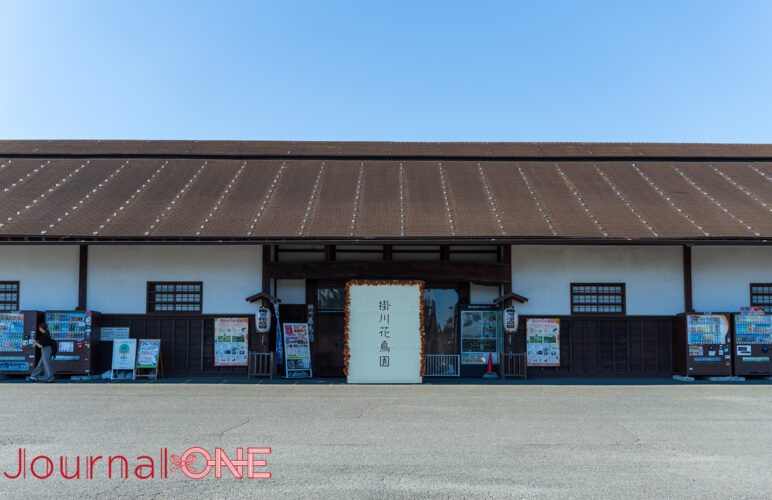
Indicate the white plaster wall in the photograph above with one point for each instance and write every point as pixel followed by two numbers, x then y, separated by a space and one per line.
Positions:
pixel 118 275
pixel 721 275
pixel 47 275
pixel 653 276
pixel 291 291
pixel 482 294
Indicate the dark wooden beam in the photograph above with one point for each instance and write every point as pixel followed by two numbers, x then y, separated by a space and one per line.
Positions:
pixel 687 266
pixel 486 273
pixel 329 253
pixel 82 277
pixel 387 252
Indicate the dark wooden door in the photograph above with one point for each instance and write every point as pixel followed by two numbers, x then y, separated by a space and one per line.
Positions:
pixel 329 336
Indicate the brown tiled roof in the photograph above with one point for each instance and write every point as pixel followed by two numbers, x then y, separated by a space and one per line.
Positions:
pixel 386 149
pixel 276 191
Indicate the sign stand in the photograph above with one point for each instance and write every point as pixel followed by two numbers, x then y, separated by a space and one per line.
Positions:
pixel 149 359
pixel 297 363
pixel 151 373
pixel 124 358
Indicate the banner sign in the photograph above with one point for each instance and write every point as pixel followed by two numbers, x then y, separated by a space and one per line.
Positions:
pixel 279 343
pixel 384 332
pixel 124 353
pixel 297 350
pixel 147 353
pixel 543 341
pixel 230 341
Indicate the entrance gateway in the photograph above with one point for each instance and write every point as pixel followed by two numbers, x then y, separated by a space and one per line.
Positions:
pixel 310 281
pixel 440 310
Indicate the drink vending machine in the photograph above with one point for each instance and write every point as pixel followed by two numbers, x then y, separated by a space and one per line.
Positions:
pixel 704 345
pixel 17 347
pixel 76 334
pixel 752 341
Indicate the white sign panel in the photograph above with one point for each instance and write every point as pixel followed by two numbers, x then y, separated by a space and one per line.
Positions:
pixel 113 332
pixel 384 333
pixel 124 352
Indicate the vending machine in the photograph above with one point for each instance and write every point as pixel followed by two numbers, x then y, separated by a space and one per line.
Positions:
pixel 704 345
pixel 17 347
pixel 752 343
pixel 76 334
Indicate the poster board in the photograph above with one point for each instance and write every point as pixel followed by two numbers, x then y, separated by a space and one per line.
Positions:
pixel 297 350
pixel 384 332
pixel 149 360
pixel 543 341
pixel 231 341
pixel 480 333
pixel 124 358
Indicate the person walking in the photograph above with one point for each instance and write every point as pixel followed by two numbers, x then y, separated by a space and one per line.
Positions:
pixel 47 347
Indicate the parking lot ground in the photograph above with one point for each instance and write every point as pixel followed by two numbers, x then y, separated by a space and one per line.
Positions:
pixel 559 438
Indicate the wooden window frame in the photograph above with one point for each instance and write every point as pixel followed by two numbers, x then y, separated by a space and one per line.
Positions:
pixel 622 286
pixel 150 303
pixel 768 307
pixel 17 291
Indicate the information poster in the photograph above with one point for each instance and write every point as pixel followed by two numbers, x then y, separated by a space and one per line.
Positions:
pixel 479 334
pixel 124 354
pixel 385 338
pixel 297 350
pixel 707 329
pixel 543 341
pixel 230 341
pixel 147 353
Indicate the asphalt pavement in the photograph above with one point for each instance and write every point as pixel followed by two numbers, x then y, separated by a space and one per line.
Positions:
pixel 331 440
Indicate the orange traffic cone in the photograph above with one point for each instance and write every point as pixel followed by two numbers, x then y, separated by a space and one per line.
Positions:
pixel 490 373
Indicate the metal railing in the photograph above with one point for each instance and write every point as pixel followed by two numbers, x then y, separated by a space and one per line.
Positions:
pixel 443 365
pixel 260 364
pixel 514 365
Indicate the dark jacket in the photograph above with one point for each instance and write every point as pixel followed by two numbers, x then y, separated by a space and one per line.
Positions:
pixel 44 339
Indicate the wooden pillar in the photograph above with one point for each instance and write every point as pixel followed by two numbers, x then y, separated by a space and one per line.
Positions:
pixel 82 278
pixel 687 266
pixel 505 252
pixel 266 286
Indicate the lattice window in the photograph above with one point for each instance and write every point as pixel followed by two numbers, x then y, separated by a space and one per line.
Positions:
pixel 9 295
pixel 597 298
pixel 761 295
pixel 174 297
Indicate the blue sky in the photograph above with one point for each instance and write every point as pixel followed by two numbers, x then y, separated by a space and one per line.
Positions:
pixel 664 71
